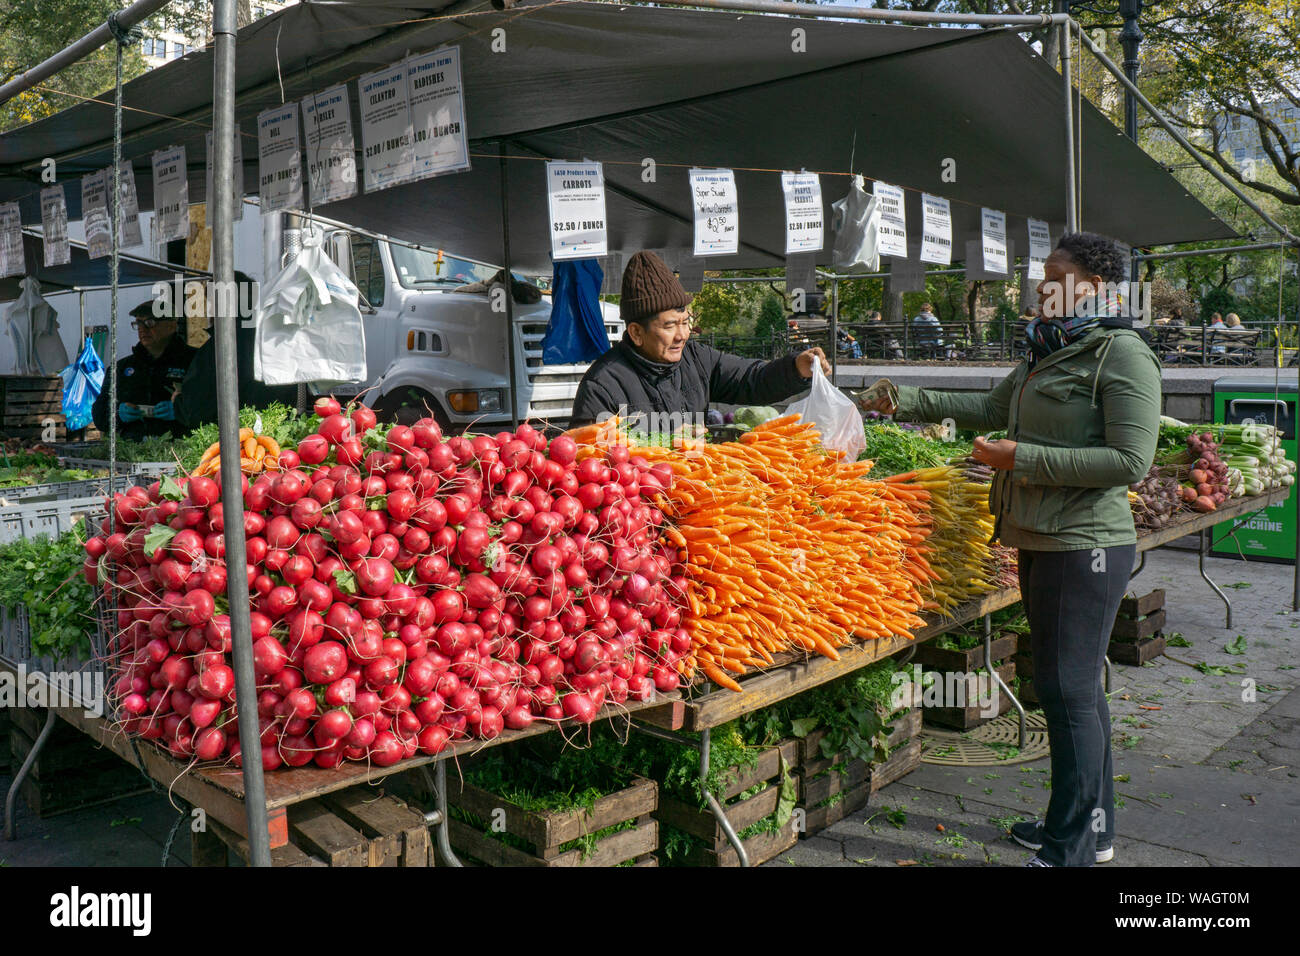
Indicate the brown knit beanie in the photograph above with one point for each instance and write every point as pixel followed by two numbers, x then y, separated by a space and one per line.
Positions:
pixel 649 287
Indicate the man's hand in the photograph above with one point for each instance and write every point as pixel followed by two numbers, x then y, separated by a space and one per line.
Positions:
pixel 804 363
pixel 999 454
pixel 165 410
pixel 128 412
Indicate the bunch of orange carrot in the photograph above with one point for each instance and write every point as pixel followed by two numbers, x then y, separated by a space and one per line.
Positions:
pixel 789 548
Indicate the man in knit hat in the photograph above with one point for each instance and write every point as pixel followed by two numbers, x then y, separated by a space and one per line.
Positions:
pixel 657 371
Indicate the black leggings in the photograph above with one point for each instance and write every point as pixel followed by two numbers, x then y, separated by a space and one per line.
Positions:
pixel 1071 598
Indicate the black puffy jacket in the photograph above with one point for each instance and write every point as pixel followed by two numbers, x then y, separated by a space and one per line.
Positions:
pixel 624 382
pixel 145 381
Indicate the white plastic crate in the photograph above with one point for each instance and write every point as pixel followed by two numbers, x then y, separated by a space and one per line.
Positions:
pixel 48 518
pixel 66 490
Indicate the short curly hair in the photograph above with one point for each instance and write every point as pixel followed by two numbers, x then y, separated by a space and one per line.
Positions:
pixel 1099 255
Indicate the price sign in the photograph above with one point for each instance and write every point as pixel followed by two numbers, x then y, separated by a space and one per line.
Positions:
pixel 331 150
pixel 1040 247
pixel 171 195
pixel 717 212
pixel 804 225
pixel 575 194
pixel 936 230
pixel 437 113
pixel 54 223
pixel 892 239
pixel 279 158
pixel 993 228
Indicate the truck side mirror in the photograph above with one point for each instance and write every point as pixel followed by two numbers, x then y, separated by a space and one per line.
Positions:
pixel 338 244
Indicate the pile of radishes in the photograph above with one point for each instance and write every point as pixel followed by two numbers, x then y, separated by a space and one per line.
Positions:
pixel 407 591
pixel 1206 486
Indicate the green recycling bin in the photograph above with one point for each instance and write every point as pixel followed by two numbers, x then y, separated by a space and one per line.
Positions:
pixel 1271 534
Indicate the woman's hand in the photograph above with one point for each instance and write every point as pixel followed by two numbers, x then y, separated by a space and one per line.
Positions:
pixel 878 398
pixel 804 363
pixel 999 454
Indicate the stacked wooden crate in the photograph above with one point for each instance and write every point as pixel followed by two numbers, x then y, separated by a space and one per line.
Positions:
pixel 830 788
pixel 749 795
pixel 32 407
pixel 357 827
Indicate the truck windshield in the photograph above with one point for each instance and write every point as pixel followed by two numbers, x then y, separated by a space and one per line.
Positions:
pixel 423 268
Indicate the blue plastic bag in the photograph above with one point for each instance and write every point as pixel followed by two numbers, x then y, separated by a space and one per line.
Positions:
pixel 576 331
pixel 82 382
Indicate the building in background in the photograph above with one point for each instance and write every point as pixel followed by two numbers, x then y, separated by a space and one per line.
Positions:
pixel 168 43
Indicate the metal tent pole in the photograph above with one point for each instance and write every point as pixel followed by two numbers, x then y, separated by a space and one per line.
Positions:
pixel 1217 250
pixel 92 41
pixel 843 12
pixel 835 325
pixel 225 315
pixel 510 292
pixel 1180 139
pixel 1071 206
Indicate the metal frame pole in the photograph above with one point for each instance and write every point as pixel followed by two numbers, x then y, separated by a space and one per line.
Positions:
pixel 1181 140
pixel 92 41
pixel 510 292
pixel 988 664
pixel 10 832
pixel 225 315
pixel 835 325
pixel 1071 205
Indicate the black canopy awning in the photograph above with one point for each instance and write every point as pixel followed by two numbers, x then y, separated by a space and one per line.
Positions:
pixel 973 115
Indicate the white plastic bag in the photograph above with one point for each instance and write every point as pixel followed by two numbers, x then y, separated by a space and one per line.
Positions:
pixel 856 222
pixel 309 326
pixel 834 414
pixel 33 345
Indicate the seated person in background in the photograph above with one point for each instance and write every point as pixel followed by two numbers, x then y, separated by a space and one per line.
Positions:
pixel 148 378
pixel 1216 321
pixel 926 329
pixel 1233 321
pixel 1176 319
pixel 197 402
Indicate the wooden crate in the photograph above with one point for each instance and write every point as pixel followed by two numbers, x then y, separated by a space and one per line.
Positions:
pixel 28 402
pixel 546 832
pixel 741 813
pixel 1135 607
pixel 1131 630
pixel 823 777
pixel 358 827
pixel 972 715
pixel 947 659
pixel 1137 652
pixel 71 772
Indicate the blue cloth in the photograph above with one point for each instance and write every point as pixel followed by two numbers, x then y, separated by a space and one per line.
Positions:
pixel 576 332
pixel 82 382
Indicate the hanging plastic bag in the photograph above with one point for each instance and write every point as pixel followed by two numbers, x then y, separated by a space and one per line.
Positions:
pixel 49 354
pixel 309 326
pixel 856 222
pixel 16 356
pixel 834 414
pixel 82 383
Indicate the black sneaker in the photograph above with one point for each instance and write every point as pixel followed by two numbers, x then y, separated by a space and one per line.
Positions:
pixel 1029 834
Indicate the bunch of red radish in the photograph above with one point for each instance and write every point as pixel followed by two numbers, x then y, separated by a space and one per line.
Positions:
pixel 407 592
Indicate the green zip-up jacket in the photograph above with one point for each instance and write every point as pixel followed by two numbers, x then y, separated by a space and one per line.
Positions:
pixel 1085 421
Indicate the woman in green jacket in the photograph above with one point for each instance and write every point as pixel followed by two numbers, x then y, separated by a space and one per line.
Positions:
pixel 1082 414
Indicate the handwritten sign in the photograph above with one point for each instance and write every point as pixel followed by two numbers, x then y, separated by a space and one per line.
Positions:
pixel 717 212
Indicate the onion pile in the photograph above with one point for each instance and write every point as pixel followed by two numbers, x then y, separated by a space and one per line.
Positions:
pixel 407 592
pixel 1155 500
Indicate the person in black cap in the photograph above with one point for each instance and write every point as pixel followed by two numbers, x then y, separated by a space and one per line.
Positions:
pixel 148 378
pixel 657 368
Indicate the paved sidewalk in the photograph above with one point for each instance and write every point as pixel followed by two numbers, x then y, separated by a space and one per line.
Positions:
pixel 1208 779
pixel 1203 776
